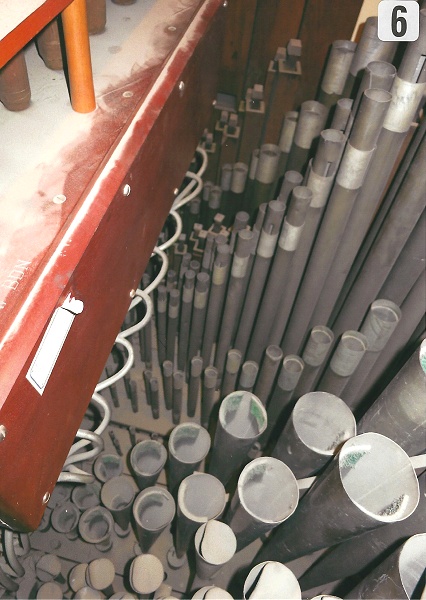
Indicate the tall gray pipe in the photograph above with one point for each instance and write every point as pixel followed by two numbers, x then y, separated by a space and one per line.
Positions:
pixel 336 72
pixel 314 354
pixel 189 444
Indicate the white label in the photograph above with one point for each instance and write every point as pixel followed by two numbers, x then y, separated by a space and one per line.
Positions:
pixel 320 187
pixel 353 167
pixel 266 245
pixel 405 101
pixel 398 21
pixel 290 237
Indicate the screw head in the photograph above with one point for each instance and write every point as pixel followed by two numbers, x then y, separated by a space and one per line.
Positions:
pixel 59 198
pixel 3 432
pixel 225 3
pixel 132 293
pixel 126 190
pixel 181 86
pixel 46 498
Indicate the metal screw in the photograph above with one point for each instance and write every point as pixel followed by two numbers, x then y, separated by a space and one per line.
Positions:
pixel 225 3
pixel 127 94
pixel 46 498
pixel 59 198
pixel 126 190
pixel 181 87
pixel 3 432
pixel 176 191
pixel 132 293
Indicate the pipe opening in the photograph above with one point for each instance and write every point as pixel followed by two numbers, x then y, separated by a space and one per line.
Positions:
pixel 353 342
pixel 271 580
pixel 381 68
pixel 378 95
pixel 412 565
pixel 189 443
pixel 117 493
pixel 385 313
pixel 148 457
pixel 153 509
pixel 293 364
pixel 378 477
pixel 243 415
pixel 107 466
pixel 215 542
pixel 321 335
pixel 201 497
pixel 65 518
pixel 95 525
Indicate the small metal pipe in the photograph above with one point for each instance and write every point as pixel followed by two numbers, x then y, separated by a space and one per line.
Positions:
pixel 241 221
pixel 286 140
pixel 212 591
pixel 96 526
pixel 168 383
pixel 342 113
pixel 201 497
pixel 117 496
pixel 271 579
pixel 215 545
pixel 185 318
pixel 266 495
pixel 266 174
pixel 336 72
pixel 161 323
pixel 194 385
pixel 229 381
pixel 344 362
pixel 242 420
pixel 399 410
pixel 248 376
pixel 399 576
pixel 370 483
pixel 147 376
pixel 199 312
pixel 65 518
pixel 208 395
pixel 314 355
pixel 178 383
pixel 311 122
pixel 184 266
pixel 107 466
pixel 153 511
pixel 290 180
pixel 172 323
pixel 189 444
pixel 378 75
pixel 147 460
pixel 319 424
pixel 267 374
pixel 207 259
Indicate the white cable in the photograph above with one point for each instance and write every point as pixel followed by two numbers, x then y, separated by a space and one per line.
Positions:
pixel 162 273
pixel 11 554
pixel 186 194
pixel 98 446
pixel 125 369
pixel 67 477
pixel 149 311
pixel 177 233
pixel 205 160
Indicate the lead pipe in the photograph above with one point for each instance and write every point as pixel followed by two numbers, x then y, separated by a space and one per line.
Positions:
pixel 378 75
pixel 155 397
pixel 201 497
pixel 242 420
pixel 184 266
pixel 96 526
pixel 147 460
pixel 185 318
pixel 265 328
pixel 172 323
pixel 168 383
pixel 267 374
pixel 215 545
pixel 241 221
pixel 353 167
pixel 264 253
pixel 248 375
pixel 311 122
pixel 153 511
pixel 341 115
pixel 266 174
pixel 146 575
pixel 336 72
pixel 199 312
pixel 196 368
pixel 232 367
pixel 286 140
pixel 208 395
pixel 344 362
pixel 266 495
pixel 399 576
pixel 319 424
pixel 178 383
pixel 189 444
pixel 212 592
pixel 314 355
pixel 161 322
pixel 399 410
pixel 370 482
pixel 117 496
pixel 271 579
pixel 378 326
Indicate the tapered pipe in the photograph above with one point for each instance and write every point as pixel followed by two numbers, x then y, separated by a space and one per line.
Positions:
pixel 185 318
pixel 189 444
pixel 241 221
pixel 219 281
pixel 399 411
pixel 147 460
pixel 266 495
pixel 352 170
pixel 242 420
pixel 96 527
pixel 264 253
pixel 201 497
pixel 266 174
pixel 168 383
pixel 234 296
pixel 215 545
pixel 345 361
pixel 314 355
pixel 117 496
pixel 172 323
pixel 161 323
pixel 199 312
pixel 319 424
pixel 65 518
pixel 370 483
pixel 208 395
pixel 267 374
pixel 229 381
pixel 342 114
pixel 146 575
pixel 196 368
pixel 86 495
pixel 153 511
pixel 312 118
pixel 178 383
pixel 336 72
pixel 248 376
pixel 265 329
pixel 211 592
pixel 399 576
pixel 286 140
pixel 271 579
pixel 107 466
pixel 379 324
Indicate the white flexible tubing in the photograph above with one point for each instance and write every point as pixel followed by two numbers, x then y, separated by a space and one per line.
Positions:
pixel 68 477
pixel 11 554
pixel 186 194
pixel 176 234
pixel 95 439
pixel 120 339
pixel 149 311
pixel 205 160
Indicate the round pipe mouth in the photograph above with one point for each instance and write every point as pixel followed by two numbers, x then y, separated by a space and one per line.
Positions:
pixel 249 372
pixel 215 542
pixel 378 95
pixel 332 135
pixel 293 177
pixel 146 574
pixel 323 422
pixel 65 517
pixel 154 508
pixel 201 497
pixel 211 592
pixel 117 493
pixel 148 457
pixel 95 525
pixel 386 311
pixel 412 563
pixel 268 490
pixel 378 477
pixel 86 495
pixel 243 415
pixel 271 580
pixel 381 68
pixel 189 443
pixel 107 466
pixel 293 363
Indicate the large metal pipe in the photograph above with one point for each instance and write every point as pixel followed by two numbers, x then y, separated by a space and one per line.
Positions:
pixel 153 510
pixel 336 72
pixel 147 460
pixel 314 355
pixel 273 580
pixel 267 494
pixel 146 575
pixel 370 483
pixel 96 526
pixel 399 411
pixel 189 444
pixel 201 497
pixel 229 381
pixel 199 312
pixel 185 318
pixel 377 74
pixel 319 424
pixel 267 374
pixel 242 420
pixel 399 576
pixel 311 122
pixel 215 545
pixel 355 163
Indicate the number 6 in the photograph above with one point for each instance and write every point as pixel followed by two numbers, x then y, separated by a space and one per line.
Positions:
pixel 399 23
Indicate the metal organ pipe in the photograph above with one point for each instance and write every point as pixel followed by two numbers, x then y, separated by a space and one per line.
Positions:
pixel 314 355
pixel 273 580
pixel 336 72
pixel 189 444
pixel 311 122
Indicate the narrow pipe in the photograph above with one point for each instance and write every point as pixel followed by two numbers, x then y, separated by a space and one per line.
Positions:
pixel 117 496
pixel 342 113
pixel 172 323
pixel 290 180
pixel 199 312
pixel 267 374
pixel 185 318
pixel 241 221
pixel 153 511
pixel 147 460
pixel 215 545
pixel 319 424
pixel 377 74
pixel 344 362
pixel 212 592
pixel 314 355
pixel 107 466
pixel 311 122
pixel 161 323
pixel 147 331
pixel 399 411
pixel 147 376
pixel 229 381
pixel 336 72
pixel 266 174
pixel 184 266
pixel 286 140
pixel 189 444
pixel 201 497
pixel 208 253
pixel 399 576
pixel 248 376
pixel 266 495
pixel 178 382
pixel 96 526
pixel 168 383
pixel 264 253
pixel 208 395
pixel 242 420
pixel 271 579
pixel 370 483
pixel 194 385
